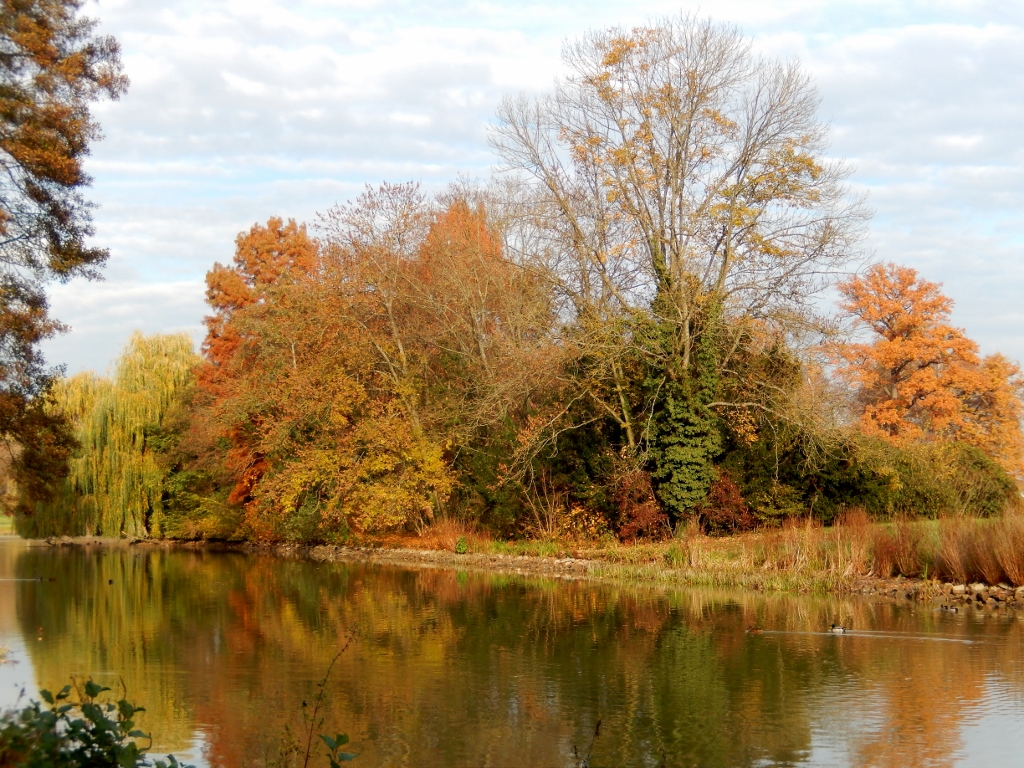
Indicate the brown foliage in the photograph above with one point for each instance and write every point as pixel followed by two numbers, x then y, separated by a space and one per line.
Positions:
pixel 349 373
pixel 52 69
pixel 640 515
pixel 1008 544
pixel 954 553
pixel 895 549
pixel 725 510
pixel 266 258
pixel 444 534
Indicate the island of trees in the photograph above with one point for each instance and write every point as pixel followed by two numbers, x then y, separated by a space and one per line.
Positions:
pixel 625 334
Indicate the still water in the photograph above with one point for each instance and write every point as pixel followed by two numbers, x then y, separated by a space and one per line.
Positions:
pixel 447 668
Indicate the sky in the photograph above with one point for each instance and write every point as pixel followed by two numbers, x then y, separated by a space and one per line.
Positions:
pixel 240 110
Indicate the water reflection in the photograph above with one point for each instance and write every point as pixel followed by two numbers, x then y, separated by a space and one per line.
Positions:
pixel 452 668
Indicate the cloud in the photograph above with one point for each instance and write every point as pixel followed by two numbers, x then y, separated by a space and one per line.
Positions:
pixel 103 315
pixel 243 109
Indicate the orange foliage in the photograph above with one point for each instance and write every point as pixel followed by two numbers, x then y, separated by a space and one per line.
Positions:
pixel 921 378
pixel 264 257
pixel 347 373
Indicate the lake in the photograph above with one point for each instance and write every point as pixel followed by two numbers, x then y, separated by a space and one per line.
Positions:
pixel 453 668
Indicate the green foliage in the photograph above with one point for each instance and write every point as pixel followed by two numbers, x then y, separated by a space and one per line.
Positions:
pixel 931 479
pixel 334 745
pixel 686 436
pixel 461 547
pixel 116 485
pixel 195 506
pixel 779 480
pixel 94 733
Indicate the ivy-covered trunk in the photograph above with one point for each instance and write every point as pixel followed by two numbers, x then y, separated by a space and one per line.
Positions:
pixel 685 435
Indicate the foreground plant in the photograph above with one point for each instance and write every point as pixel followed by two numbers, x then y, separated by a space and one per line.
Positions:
pixel 94 733
pixel 293 751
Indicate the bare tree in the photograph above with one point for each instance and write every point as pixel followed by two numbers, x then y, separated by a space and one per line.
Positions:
pixel 677 185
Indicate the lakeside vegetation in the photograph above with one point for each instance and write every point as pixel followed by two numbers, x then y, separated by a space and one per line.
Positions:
pixel 799 556
pixel 617 338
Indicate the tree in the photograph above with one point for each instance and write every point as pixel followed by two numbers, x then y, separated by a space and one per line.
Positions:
pixel 676 184
pixel 312 377
pixel 265 257
pixel 52 68
pixel 460 333
pixel 921 378
pixel 116 486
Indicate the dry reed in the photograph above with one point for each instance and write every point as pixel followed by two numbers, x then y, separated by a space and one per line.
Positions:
pixel 1009 545
pixel 444 534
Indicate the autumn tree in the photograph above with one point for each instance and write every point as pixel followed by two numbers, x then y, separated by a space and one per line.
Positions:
pixel 52 68
pixel 460 332
pixel 677 185
pixel 115 486
pixel 265 257
pixel 316 372
pixel 918 377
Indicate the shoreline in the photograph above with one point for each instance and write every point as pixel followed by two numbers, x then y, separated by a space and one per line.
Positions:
pixel 647 572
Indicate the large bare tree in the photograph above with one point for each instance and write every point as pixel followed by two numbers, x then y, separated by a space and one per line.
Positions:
pixel 677 185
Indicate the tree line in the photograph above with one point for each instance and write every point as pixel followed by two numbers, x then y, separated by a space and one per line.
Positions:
pixel 621 331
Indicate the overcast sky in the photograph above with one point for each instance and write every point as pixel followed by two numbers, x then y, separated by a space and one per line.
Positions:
pixel 244 109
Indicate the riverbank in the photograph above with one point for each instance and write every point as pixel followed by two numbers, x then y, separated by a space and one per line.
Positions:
pixel 641 564
pixel 903 561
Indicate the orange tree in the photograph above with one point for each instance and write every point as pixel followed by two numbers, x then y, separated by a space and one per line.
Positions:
pixel 266 257
pixel 917 377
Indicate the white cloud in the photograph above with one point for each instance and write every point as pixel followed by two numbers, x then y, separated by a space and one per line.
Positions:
pixel 104 315
pixel 243 109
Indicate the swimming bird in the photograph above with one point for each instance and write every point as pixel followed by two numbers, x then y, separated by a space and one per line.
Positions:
pixel 837 629
pixel 754 630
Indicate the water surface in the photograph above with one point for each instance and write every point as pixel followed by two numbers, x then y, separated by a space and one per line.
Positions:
pixel 449 668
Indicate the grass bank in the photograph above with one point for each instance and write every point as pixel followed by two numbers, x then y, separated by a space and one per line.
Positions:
pixel 803 557
pixel 855 555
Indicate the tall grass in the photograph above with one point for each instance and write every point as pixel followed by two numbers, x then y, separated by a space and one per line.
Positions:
pixel 799 555
pixel 808 555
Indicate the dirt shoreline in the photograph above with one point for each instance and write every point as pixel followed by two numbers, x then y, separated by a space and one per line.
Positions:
pixel 980 596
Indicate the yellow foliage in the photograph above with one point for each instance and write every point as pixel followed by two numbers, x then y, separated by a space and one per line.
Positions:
pixel 114 487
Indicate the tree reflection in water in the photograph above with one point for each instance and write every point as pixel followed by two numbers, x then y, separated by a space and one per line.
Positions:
pixel 452 668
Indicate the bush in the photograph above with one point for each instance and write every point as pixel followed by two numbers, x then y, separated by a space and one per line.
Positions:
pixel 640 515
pixel 725 510
pixel 90 734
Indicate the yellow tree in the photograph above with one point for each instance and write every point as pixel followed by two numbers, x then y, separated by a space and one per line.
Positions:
pixel 115 486
pixel 919 377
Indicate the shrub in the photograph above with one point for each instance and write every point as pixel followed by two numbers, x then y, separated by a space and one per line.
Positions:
pixel 984 556
pixel 640 515
pixel 90 734
pixel 851 537
pixel 1009 545
pixel 725 510
pixel 583 524
pixel 954 555
pixel 895 549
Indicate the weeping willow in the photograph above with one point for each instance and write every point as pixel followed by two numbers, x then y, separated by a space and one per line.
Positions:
pixel 115 485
